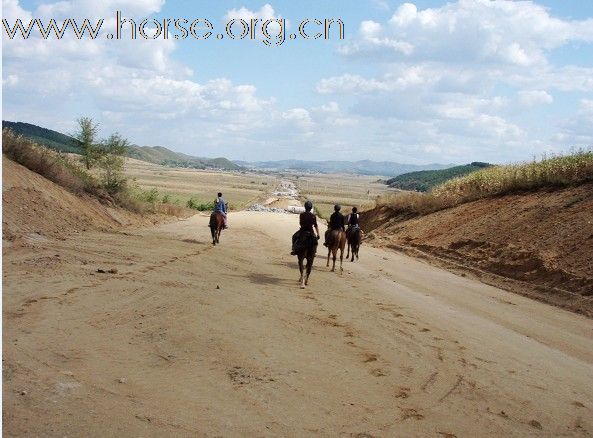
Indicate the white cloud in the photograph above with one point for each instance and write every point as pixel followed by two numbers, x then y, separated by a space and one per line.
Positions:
pixel 266 12
pixel 477 31
pixel 10 81
pixel 448 84
pixel 535 97
pixel 577 130
pixel 370 29
pixel 457 75
pixel 130 85
pixel 11 11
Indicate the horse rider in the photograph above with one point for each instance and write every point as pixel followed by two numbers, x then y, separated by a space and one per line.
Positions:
pixel 307 221
pixel 220 206
pixel 353 220
pixel 336 222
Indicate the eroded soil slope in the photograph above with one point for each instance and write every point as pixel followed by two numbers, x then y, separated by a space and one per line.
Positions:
pixel 34 208
pixel 543 241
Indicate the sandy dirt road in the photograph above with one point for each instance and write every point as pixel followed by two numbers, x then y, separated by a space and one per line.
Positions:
pixel 186 339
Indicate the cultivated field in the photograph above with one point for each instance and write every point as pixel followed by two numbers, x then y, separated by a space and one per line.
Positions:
pixel 239 189
pixel 348 190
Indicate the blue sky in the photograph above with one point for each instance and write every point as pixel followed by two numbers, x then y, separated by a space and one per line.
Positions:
pixel 416 82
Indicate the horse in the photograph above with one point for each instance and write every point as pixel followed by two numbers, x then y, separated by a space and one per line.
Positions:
pixel 336 239
pixel 354 237
pixel 305 248
pixel 216 226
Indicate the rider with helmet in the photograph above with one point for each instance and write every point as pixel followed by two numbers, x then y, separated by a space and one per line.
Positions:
pixel 353 220
pixel 336 222
pixel 307 221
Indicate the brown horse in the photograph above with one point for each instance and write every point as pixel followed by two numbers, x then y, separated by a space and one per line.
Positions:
pixel 354 236
pixel 216 226
pixel 336 239
pixel 305 248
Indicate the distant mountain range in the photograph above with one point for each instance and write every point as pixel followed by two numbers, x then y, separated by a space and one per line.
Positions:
pixel 364 167
pixel 164 156
pixel 152 154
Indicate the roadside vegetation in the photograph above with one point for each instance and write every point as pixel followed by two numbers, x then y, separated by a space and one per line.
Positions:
pixel 424 180
pixel 550 172
pixel 107 183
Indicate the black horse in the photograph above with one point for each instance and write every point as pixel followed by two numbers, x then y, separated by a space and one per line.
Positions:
pixel 354 237
pixel 305 248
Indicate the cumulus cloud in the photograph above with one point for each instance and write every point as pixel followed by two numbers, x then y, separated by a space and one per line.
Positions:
pixel 133 86
pixel 266 12
pixel 534 97
pixel 447 84
pixel 461 72
pixel 480 31
pixel 577 130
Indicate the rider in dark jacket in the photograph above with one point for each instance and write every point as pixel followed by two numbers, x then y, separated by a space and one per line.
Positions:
pixel 336 222
pixel 353 220
pixel 308 222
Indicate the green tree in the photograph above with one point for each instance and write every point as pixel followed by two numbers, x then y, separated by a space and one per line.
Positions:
pixel 111 158
pixel 87 136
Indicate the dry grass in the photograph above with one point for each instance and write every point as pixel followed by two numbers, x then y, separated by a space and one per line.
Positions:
pixel 66 171
pixel 50 164
pixel 553 172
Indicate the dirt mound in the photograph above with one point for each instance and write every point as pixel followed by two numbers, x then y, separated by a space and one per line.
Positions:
pixel 542 240
pixel 34 207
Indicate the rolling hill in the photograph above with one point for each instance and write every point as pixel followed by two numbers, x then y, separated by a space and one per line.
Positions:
pixel 424 180
pixel 46 137
pixel 152 154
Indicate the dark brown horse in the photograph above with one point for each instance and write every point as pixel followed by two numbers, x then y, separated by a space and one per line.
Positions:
pixel 336 239
pixel 354 239
pixel 216 226
pixel 305 248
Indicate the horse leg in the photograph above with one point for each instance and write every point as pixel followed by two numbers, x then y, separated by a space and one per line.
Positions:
pixel 309 266
pixel 341 259
pixel 329 250
pixel 301 269
pixel 348 253
pixel 213 232
pixel 334 254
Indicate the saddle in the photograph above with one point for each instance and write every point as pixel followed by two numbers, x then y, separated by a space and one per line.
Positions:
pixel 212 223
pixel 305 239
pixel 352 229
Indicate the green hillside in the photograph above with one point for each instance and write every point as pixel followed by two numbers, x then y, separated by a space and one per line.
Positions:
pixel 46 137
pixel 424 180
pixel 152 154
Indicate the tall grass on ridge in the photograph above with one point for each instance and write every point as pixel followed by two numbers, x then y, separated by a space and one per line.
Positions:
pixel 553 172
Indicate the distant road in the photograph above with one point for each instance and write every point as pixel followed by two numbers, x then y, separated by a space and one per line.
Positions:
pixel 186 339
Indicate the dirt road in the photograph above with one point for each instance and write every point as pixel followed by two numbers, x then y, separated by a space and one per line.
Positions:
pixel 185 339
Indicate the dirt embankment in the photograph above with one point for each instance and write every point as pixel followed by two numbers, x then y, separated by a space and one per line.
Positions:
pixel 539 244
pixel 34 207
